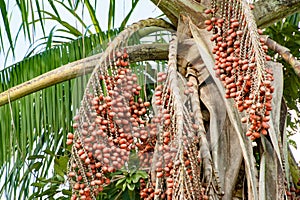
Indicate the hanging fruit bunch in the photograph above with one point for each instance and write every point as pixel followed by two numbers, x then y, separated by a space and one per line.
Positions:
pixel 168 165
pixel 240 62
pixel 158 151
pixel 113 122
pixel 176 163
pixel 116 125
pixel 105 133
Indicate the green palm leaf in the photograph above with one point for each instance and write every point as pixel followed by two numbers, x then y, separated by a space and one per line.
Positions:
pixel 125 20
pixel 36 143
pixel 77 17
pixel 33 151
pixel 93 16
pixel 6 24
pixel 71 29
pixel 40 120
pixel 39 12
pixel 23 6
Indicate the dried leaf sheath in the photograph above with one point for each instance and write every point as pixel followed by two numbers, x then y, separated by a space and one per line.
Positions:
pixel 232 113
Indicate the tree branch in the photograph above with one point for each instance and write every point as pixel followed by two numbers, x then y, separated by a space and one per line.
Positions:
pixel 285 54
pixel 75 69
pixel 266 12
pixel 86 65
pixel 172 9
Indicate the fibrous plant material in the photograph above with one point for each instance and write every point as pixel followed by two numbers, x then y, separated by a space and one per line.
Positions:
pixel 177 165
pixel 113 122
pixel 111 119
pixel 105 136
pixel 240 62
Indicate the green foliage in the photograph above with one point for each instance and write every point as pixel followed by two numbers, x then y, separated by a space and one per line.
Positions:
pixel 33 132
pixel 42 12
pixel 38 123
pixel 52 186
pixel 125 185
pixel 39 143
pixel 6 23
pixel 295 173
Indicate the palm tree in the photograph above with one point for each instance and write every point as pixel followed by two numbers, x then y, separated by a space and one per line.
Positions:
pixel 30 148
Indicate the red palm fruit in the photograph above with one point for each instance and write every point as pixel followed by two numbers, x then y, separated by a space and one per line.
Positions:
pixel 265 125
pixel 209 28
pixel 69 141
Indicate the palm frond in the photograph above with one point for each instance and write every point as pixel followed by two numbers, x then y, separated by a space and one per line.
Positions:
pixel 39 12
pixel 125 20
pixel 6 23
pixel 36 124
pixel 111 14
pixel 93 16
pixel 77 17
pixel 24 8
pixel 54 9
pixel 39 141
pixel 71 29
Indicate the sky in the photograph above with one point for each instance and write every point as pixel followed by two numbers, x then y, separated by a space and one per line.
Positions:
pixel 145 9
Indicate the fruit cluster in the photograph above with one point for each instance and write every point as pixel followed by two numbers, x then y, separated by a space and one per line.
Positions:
pixel 240 65
pixel 293 192
pixel 114 122
pixel 166 161
pixel 104 136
